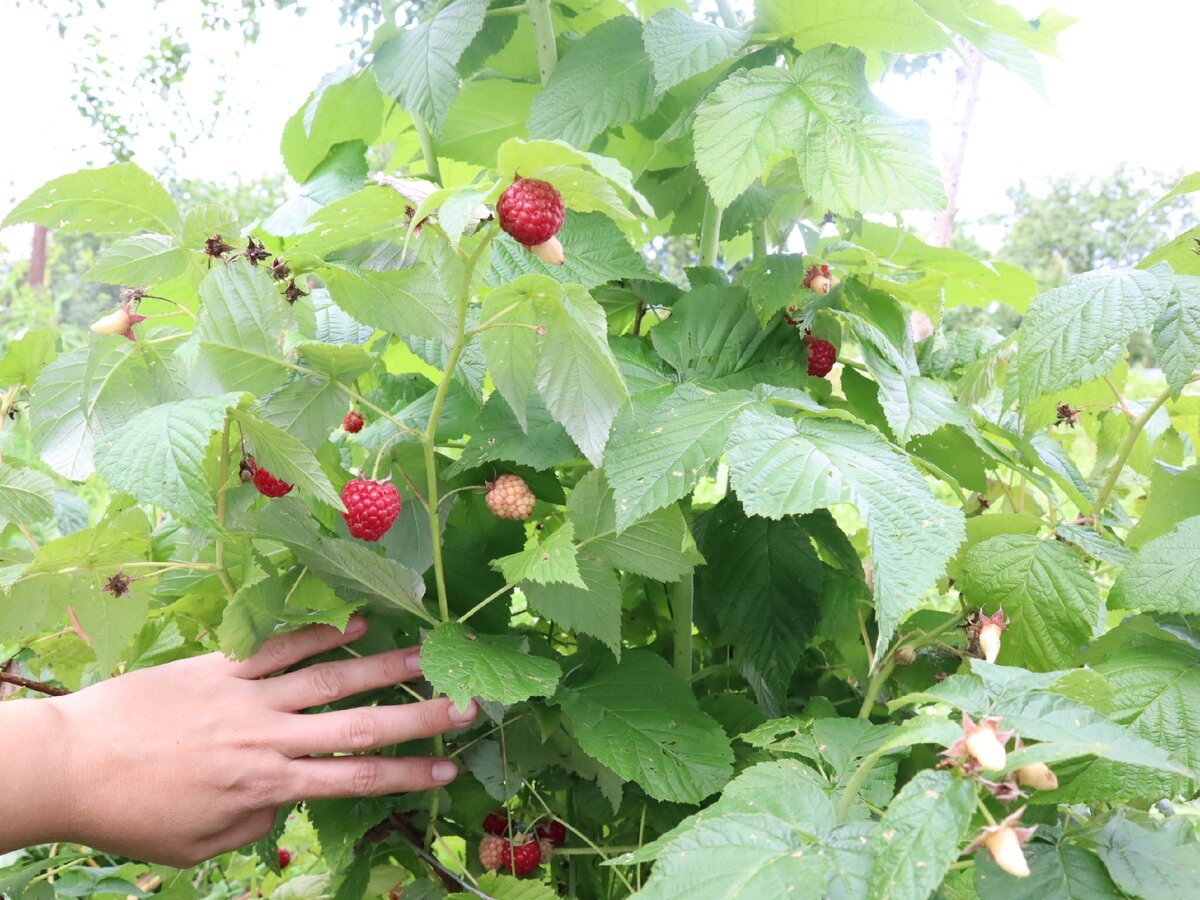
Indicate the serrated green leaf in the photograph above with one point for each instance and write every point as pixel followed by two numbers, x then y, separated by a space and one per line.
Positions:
pixel 596 252
pixel 920 835
pixel 711 333
pixel 542 444
pixel 1177 333
pixel 544 561
pixel 118 199
pixel 658 546
pixel 639 719
pixel 461 663
pixel 344 107
pixel 239 331
pixel 506 887
pixel 1061 871
pixel 159 457
pixel 1151 860
pixel 822 111
pixel 141 259
pixel 680 47
pixel 1174 495
pixel 487 113
pixel 1165 576
pixel 403 301
pixel 780 468
pixel 419 66
pixel 209 220
pixel 655 461
pixel 24 358
pixel 26 495
pixel 536 158
pixel 285 457
pixel 1046 590
pixel 594 609
pixel 32 605
pixel 602 80
pixel 308 409
pixel 1078 332
pixel 111 622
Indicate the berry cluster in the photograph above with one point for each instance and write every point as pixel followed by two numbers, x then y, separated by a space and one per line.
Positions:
pixel 524 851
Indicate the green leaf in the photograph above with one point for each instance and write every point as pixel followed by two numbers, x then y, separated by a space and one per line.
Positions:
pixel 239 331
pixel 899 26
pixel 764 594
pixel 658 546
pixel 90 393
pixel 1078 332
pixel 603 79
pixel 545 561
pixel 111 622
pixel 822 111
pixel 1174 496
pixel 538 159
pixel 780 468
pixel 159 456
pixel 1046 590
pixel 1177 333
pixel 487 113
pixel 208 220
pixel 119 199
pixel 33 605
pixel 680 47
pixel 141 259
pixel 462 664
pixel 542 444
pixel 920 835
pixel 419 66
pixel 653 461
pixel 1152 860
pixel 24 358
pixel 596 253
pixel 506 887
pixel 344 107
pixel 594 609
pixel 1061 871
pixel 285 457
pixel 26 496
pixel 403 301
pixel 1165 576
pixel 639 719
pixel 711 333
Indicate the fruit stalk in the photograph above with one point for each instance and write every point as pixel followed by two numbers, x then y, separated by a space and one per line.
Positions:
pixel 543 36
pixel 1123 456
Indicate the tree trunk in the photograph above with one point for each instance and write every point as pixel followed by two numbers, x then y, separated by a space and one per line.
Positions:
pixel 37 258
pixel 963 108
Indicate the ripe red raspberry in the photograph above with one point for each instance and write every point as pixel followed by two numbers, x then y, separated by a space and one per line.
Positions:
pixel 491 851
pixel 495 822
pixel 531 211
pixel 371 508
pixel 521 859
pixel 555 832
pixel 509 497
pixel 821 356
pixel 268 485
pixel 285 857
pixel 353 422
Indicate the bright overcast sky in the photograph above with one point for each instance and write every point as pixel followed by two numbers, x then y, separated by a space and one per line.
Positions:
pixel 1123 90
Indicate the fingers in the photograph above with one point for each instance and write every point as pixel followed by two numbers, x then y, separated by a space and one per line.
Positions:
pixel 372 727
pixel 285 650
pixel 250 828
pixel 367 776
pixel 327 682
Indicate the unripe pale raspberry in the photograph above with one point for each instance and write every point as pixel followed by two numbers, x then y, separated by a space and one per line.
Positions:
pixel 1038 776
pixel 491 851
pixel 509 497
pixel 353 422
pixel 1005 846
pixel 986 748
pixel 371 508
pixel 531 211
pixel 821 356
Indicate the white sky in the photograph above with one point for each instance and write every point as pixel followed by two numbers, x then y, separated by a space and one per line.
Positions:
pixel 1123 90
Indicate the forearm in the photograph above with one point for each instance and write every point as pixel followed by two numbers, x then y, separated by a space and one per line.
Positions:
pixel 31 775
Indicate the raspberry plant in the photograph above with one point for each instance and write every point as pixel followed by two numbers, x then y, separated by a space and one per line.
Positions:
pixel 738 649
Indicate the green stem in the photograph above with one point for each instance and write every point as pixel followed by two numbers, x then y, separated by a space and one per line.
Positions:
pixel 427 151
pixel 758 239
pixel 484 602
pixel 682 595
pixel 1123 456
pixel 222 478
pixel 846 803
pixel 710 233
pixel 987 813
pixel 592 845
pixel 543 36
pixel 874 686
pixel 728 16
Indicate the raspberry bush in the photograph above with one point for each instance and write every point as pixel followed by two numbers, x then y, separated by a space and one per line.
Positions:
pixel 774 627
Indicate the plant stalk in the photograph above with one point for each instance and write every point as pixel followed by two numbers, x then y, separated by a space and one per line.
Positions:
pixel 427 151
pixel 728 16
pixel 543 36
pixel 846 803
pixel 682 595
pixel 1123 456
pixel 219 544
pixel 710 233
pixel 758 239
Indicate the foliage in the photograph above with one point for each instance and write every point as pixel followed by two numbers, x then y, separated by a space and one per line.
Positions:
pixel 725 649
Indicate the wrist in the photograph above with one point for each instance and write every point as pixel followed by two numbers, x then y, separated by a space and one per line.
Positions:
pixel 33 797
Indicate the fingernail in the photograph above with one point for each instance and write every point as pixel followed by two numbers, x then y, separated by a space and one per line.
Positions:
pixel 466 714
pixel 444 771
pixel 356 626
pixel 412 662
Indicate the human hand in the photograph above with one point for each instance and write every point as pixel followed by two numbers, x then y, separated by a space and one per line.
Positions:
pixel 177 763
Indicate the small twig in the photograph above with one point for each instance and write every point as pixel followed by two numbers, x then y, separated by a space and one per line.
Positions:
pixel 405 829
pixel 33 685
